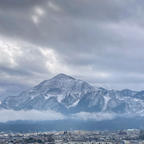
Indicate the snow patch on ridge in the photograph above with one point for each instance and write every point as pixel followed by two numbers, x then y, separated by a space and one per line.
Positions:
pixel 106 100
pixel 74 104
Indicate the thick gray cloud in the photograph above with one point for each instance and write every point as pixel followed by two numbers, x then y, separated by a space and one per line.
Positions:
pixel 98 41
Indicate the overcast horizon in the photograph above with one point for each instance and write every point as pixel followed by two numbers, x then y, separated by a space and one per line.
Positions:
pixel 100 42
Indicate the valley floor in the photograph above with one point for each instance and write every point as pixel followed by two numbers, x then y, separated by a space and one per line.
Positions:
pixel 130 136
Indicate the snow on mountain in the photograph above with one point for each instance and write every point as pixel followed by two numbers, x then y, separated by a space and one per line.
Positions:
pixel 62 91
pixel 66 94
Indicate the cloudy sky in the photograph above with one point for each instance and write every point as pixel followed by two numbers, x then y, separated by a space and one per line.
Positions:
pixel 100 41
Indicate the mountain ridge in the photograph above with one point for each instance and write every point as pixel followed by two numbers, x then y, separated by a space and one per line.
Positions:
pixel 66 94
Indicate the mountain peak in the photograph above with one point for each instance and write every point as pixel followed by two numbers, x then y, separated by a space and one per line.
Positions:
pixel 64 93
pixel 63 76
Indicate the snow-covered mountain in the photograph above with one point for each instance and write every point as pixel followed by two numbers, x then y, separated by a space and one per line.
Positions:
pixel 66 94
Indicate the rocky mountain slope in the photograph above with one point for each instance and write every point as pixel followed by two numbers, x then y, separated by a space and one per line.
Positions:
pixel 66 94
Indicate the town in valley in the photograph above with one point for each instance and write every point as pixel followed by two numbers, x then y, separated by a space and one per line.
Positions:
pixel 129 136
